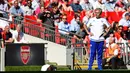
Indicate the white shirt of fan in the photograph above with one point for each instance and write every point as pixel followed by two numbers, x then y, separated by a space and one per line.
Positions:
pixel 96 28
pixel 22 38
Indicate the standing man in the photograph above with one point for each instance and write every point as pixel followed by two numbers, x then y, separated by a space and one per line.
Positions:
pixel 97 27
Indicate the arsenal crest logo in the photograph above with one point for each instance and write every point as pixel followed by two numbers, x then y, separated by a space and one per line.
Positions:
pixel 25 54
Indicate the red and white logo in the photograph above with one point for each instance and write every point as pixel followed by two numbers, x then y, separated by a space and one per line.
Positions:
pixel 25 54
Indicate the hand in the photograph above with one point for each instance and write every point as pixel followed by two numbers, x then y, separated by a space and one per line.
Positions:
pixel 108 59
pixel 91 34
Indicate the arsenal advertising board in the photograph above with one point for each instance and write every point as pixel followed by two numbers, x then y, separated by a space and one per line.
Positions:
pixel 24 54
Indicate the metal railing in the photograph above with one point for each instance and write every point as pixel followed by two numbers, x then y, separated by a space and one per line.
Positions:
pixel 2 57
pixel 79 55
pixel 43 31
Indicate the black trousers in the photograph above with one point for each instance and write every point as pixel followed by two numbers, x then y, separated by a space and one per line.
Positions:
pixel 114 62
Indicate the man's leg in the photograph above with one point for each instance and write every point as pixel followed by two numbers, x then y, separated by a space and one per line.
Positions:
pixel 103 63
pixel 100 53
pixel 113 62
pixel 92 54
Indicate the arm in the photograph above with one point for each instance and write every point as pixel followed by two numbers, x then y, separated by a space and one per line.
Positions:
pixel 86 27
pixel 115 53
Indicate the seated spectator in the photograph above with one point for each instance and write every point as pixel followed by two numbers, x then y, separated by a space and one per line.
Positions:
pixel 75 24
pixel 127 11
pixel 125 22
pixel 18 35
pixel 109 5
pixel 86 5
pixel 16 11
pixel 88 15
pixel 112 54
pixel 76 6
pixel 99 4
pixel 7 35
pixel 28 10
pixel 3 7
pixel 65 6
pixel 119 34
pixel 64 26
pixel 81 36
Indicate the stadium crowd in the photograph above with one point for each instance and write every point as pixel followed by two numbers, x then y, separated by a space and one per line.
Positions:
pixel 70 16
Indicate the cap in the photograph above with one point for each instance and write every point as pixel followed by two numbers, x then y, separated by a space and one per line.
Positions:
pixel 45 67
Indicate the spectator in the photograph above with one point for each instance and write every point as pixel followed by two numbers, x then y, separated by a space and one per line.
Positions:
pixel 18 35
pixel 76 6
pixel 3 7
pixel 109 5
pixel 88 15
pixel 125 22
pixel 16 11
pixel 28 10
pixel 99 4
pixel 41 15
pixel 49 23
pixel 56 14
pixel 86 5
pixel 64 26
pixel 112 55
pixel 40 9
pixel 127 11
pixel 7 35
pixel 81 35
pixel 65 6
pixel 118 34
pixel 75 24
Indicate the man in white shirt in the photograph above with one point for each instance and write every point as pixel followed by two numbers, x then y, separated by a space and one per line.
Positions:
pixel 125 22
pixel 99 4
pixel 18 35
pixel 97 26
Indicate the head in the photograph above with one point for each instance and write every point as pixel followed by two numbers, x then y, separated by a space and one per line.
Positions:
pixel 77 18
pixel 86 1
pixel 64 18
pixel 100 1
pixel 111 38
pixel 120 29
pixel 75 1
pixel 15 3
pixel 127 16
pixel 19 27
pixel 98 12
pixel 42 8
pixel 29 3
pixel 2 2
pixel 7 28
pixel 128 8
pixel 115 26
pixel 66 1
pixel 55 9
